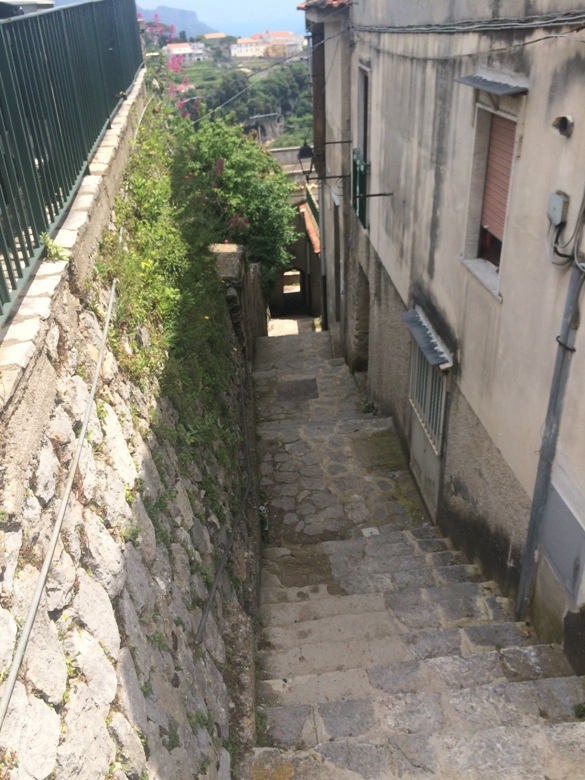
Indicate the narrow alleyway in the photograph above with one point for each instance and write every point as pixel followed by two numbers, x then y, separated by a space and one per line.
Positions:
pixel 383 653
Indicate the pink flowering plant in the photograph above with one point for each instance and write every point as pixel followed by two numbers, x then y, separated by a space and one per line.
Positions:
pixel 227 185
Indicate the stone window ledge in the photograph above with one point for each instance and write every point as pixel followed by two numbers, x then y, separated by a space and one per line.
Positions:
pixel 487 274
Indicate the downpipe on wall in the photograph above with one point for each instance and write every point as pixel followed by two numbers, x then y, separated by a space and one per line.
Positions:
pixel 566 347
pixel 323 239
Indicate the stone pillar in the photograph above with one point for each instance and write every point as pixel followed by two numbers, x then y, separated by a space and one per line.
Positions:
pixel 244 296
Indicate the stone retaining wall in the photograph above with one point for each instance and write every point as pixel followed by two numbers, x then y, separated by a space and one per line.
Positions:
pixel 112 684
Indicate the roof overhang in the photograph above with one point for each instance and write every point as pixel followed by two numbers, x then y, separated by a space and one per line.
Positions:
pixel 323 4
pixel 320 10
pixel 495 83
pixel 426 338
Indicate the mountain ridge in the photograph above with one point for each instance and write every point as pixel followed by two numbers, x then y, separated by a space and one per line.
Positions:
pixel 182 19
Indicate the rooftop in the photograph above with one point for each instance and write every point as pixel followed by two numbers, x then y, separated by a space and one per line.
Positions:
pixel 323 4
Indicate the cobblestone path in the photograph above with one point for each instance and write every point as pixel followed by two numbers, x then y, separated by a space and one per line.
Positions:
pixel 383 652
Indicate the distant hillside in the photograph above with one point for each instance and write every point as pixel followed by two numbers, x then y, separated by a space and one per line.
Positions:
pixel 183 20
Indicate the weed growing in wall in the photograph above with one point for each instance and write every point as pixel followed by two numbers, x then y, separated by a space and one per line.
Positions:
pixel 171 328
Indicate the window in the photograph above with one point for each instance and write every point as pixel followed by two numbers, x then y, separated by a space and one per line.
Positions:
pixel 363 112
pixel 427 396
pixel 500 156
pixel 491 175
pixel 430 361
pixel 361 166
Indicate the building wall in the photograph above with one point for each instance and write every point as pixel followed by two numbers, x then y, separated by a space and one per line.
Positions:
pixel 500 327
pixel 336 187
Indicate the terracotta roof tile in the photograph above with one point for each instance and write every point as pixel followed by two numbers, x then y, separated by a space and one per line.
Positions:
pixel 323 4
pixel 312 230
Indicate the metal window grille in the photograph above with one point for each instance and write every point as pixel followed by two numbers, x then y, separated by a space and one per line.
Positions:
pixel 427 396
pixel 361 170
pixel 63 74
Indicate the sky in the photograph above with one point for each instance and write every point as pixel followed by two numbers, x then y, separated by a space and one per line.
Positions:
pixel 241 17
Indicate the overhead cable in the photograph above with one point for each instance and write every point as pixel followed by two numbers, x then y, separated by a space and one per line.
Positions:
pixel 264 70
pixel 480 52
pixel 484 25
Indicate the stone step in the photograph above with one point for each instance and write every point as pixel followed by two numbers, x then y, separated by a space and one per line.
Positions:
pixel 336 628
pixel 446 606
pixel 368 576
pixel 468 640
pixel 272 593
pixel 319 657
pixel 389 544
pixel 468 711
pixel 515 664
pixel 288 613
pixel 449 605
pixel 307 565
pixel 540 752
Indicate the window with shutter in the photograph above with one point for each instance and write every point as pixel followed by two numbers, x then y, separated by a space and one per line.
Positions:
pixel 361 167
pixel 500 157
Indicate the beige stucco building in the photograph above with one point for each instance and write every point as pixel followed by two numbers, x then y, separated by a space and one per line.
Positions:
pixel 451 142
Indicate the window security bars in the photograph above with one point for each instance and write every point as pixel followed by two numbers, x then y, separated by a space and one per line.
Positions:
pixel 427 396
pixel 63 74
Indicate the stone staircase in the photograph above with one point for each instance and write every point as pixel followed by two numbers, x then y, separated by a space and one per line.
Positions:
pixel 383 652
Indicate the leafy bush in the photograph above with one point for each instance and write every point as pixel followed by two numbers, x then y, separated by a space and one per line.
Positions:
pixel 226 184
pixel 171 325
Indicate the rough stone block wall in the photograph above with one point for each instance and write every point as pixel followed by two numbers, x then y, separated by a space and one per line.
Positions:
pixel 112 684
pixel 388 340
pixel 482 505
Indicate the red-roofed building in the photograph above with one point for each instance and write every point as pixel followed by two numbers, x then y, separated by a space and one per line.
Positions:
pixel 190 52
pixel 279 43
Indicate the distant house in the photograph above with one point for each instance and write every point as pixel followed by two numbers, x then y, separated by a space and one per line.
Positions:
pixel 281 43
pixel 248 47
pixel 216 36
pixel 190 52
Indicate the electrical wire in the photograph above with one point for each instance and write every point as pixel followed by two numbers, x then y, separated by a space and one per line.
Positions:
pixel 551 251
pixel 572 256
pixel 260 72
pixel 484 25
pixel 478 53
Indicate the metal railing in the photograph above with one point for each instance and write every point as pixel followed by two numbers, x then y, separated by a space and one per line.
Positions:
pixel 63 74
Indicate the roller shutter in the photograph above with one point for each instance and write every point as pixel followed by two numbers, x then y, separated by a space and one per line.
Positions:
pixel 498 173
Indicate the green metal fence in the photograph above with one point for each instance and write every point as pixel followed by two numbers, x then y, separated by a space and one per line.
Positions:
pixel 63 74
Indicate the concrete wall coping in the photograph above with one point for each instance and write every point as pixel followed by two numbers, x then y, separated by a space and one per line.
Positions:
pixel 23 336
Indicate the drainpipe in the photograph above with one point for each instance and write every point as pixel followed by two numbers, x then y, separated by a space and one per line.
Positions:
pixel 322 238
pixel 566 342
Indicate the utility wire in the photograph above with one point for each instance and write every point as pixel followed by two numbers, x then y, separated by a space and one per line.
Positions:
pixel 479 53
pixel 484 25
pixel 260 72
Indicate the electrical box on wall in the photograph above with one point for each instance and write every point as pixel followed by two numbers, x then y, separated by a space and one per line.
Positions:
pixel 558 205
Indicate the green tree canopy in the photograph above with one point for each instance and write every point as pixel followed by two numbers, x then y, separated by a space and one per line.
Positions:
pixel 227 185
